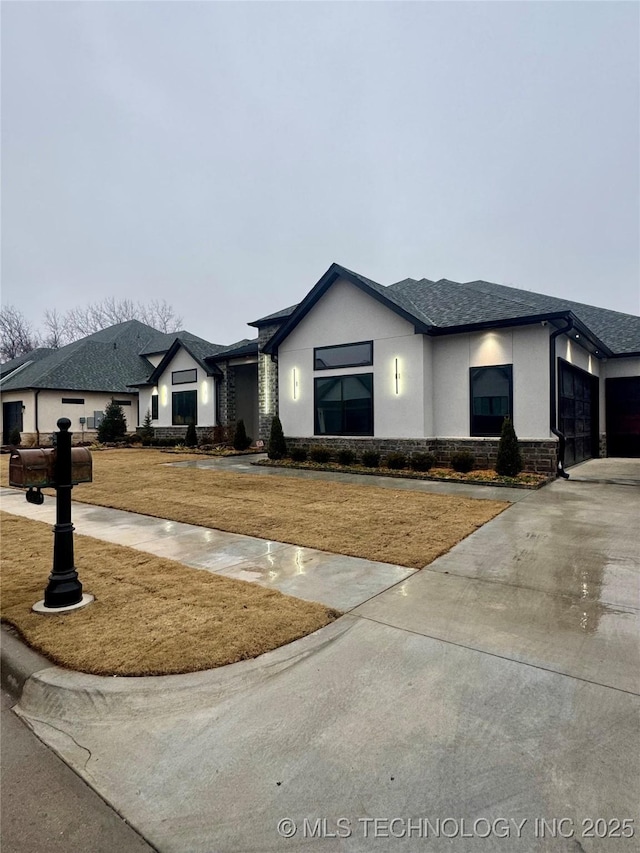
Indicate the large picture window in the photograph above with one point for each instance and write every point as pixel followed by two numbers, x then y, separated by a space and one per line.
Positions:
pixel 491 398
pixel 184 407
pixel 343 355
pixel 344 405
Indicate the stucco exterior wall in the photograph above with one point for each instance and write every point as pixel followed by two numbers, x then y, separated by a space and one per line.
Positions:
pixel 344 314
pixel 525 347
pixel 205 386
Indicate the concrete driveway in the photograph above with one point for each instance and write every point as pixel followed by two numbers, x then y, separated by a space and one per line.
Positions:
pixel 490 692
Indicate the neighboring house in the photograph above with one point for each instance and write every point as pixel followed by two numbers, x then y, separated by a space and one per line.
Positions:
pixel 423 365
pixel 178 377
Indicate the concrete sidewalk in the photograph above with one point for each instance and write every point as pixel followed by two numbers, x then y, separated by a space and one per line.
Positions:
pixel 332 579
pixel 500 683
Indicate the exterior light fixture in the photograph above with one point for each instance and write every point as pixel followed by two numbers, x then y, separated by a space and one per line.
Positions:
pixel 295 384
pixel 397 377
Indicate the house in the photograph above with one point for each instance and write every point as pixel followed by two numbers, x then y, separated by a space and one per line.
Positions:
pixel 437 365
pixel 177 377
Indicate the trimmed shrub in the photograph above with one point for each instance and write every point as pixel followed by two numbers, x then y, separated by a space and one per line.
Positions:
pixel 277 447
pixel 320 454
pixel 114 424
pixel 509 462
pixel 241 440
pixel 371 458
pixel 136 438
pixel 299 454
pixel 191 438
pixel 422 461
pixel 346 456
pixel 15 438
pixel 220 435
pixel 463 461
pixel 396 461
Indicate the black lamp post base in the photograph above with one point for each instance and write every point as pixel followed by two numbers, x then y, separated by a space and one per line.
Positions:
pixel 41 607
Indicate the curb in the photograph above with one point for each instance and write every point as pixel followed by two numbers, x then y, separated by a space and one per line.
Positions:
pixel 18 663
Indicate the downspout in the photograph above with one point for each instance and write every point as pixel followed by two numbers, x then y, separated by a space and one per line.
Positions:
pixel 35 401
pixel 554 397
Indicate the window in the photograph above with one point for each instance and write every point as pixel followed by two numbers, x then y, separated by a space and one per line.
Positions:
pixel 344 405
pixel 491 398
pixel 154 407
pixel 74 400
pixel 184 405
pixel 343 355
pixel 122 402
pixel 181 377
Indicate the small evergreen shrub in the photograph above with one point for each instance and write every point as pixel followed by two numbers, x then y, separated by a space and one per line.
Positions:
pixel 509 462
pixel 241 440
pixel 135 438
pixel 191 438
pixel 15 438
pixel 220 435
pixel 277 447
pixel 146 430
pixel 320 454
pixel 396 461
pixel 422 461
pixel 346 456
pixel 463 461
pixel 113 426
pixel 299 454
pixel 371 459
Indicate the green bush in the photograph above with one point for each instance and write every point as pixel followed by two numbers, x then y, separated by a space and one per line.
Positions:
pixel 299 454
pixel 463 461
pixel 241 440
pixel 191 438
pixel 135 438
pixel 346 456
pixel 277 447
pixel 509 462
pixel 422 461
pixel 371 458
pixel 113 426
pixel 320 454
pixel 15 438
pixel 396 461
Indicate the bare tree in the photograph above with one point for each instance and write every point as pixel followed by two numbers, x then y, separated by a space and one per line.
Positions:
pixel 84 320
pixel 17 337
pixel 56 329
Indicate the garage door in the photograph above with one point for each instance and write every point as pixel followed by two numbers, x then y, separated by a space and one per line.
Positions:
pixel 578 412
pixel 623 416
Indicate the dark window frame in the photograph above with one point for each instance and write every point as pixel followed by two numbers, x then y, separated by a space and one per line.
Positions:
pixel 76 401
pixel 343 364
pixel 184 422
pixel 475 371
pixel 122 402
pixel 175 373
pixel 154 407
pixel 316 425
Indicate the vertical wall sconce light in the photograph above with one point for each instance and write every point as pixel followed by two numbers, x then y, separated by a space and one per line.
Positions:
pixel 397 376
pixel 295 384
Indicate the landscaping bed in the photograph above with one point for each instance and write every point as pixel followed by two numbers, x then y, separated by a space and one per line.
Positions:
pixel 485 477
pixel 151 616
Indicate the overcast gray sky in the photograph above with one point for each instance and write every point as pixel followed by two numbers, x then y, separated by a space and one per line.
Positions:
pixel 222 155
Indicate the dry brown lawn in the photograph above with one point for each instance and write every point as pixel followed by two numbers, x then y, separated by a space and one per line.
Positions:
pixel 151 616
pixel 403 527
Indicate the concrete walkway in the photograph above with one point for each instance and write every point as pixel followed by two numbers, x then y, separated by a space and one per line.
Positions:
pixel 620 472
pixel 332 579
pixel 495 688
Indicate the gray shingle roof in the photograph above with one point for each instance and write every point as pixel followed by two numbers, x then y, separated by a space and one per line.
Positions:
pixel 277 315
pixel 35 355
pixel 246 346
pixel 161 341
pixel 107 360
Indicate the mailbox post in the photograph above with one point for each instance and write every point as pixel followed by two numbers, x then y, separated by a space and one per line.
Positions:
pixel 64 588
